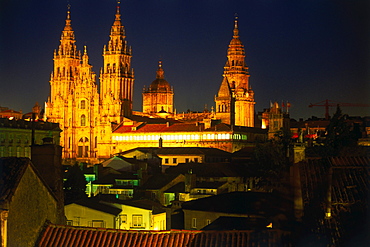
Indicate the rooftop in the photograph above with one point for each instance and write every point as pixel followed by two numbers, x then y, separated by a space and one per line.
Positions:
pixel 56 235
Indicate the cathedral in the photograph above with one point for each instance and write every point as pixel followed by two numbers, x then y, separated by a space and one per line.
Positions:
pixel 92 118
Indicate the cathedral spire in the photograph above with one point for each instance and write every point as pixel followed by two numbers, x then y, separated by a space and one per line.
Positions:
pixel 118 14
pixel 117 42
pixel 160 71
pixel 68 26
pixel 117 78
pixel 67 41
pixel 235 99
pixel 236 30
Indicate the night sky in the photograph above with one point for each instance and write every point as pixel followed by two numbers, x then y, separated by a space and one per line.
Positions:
pixel 298 51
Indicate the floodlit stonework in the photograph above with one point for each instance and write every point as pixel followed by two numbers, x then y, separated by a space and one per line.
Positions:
pixel 235 98
pixel 92 117
pixel 158 98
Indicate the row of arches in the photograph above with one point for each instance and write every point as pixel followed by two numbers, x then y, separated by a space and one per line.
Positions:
pixel 113 68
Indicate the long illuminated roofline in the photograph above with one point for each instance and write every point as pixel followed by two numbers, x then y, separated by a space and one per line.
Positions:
pixel 178 137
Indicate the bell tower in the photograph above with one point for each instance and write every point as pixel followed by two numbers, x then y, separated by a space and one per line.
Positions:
pixel 117 76
pixel 235 98
pixel 74 99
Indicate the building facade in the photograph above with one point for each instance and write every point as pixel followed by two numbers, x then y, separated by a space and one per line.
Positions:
pixel 84 115
pixel 16 136
pixel 91 116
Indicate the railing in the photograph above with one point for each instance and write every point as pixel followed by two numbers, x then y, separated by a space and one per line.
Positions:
pixel 137 226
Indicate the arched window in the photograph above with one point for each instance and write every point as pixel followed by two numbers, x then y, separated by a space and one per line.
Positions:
pixel 83 104
pixel 83 120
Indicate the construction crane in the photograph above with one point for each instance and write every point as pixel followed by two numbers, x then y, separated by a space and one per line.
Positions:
pixel 329 103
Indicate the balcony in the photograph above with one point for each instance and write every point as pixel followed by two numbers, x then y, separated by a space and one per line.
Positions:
pixel 138 226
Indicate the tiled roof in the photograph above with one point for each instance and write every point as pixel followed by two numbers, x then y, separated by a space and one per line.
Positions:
pixel 208 185
pixel 22 124
pixel 244 152
pixel 11 172
pixel 237 223
pixel 179 150
pixel 144 204
pixel 55 236
pixel 158 181
pixel 311 124
pixel 192 150
pixel 349 195
pixel 350 162
pixel 10 111
pixel 179 187
pixel 140 149
pixel 161 127
pixel 210 169
pixel 257 203
pixel 95 204
pixel 182 127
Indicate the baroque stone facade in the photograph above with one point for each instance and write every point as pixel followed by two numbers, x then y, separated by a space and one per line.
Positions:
pixel 84 115
pixel 90 116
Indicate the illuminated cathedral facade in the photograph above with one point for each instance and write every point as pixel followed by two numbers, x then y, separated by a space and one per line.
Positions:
pixel 92 118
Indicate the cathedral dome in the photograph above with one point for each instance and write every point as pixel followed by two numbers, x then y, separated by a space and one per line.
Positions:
pixel 160 84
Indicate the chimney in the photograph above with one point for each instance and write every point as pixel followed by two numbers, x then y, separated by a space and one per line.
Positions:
pixel 190 180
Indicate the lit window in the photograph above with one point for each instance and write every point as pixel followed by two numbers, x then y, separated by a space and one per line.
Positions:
pixel 123 218
pixel 194 223
pixel 97 223
pixel 137 220
pixel 83 104
pixel 83 120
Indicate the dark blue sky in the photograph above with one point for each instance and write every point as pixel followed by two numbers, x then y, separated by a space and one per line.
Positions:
pixel 300 51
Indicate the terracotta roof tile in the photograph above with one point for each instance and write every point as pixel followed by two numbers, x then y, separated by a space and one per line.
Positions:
pixel 56 235
pixel 97 205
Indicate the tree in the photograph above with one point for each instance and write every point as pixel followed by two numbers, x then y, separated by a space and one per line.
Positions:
pixel 339 134
pixel 74 185
pixel 271 160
